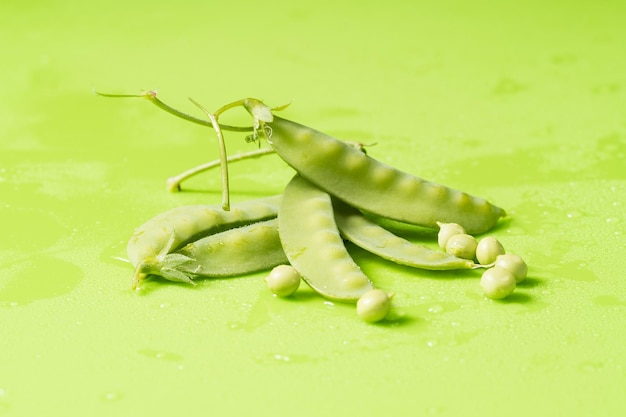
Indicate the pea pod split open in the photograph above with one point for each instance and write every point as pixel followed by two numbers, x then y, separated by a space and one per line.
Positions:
pixel 361 231
pixel 169 231
pixel 242 250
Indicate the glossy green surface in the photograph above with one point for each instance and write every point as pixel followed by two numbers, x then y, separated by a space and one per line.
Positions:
pixel 519 102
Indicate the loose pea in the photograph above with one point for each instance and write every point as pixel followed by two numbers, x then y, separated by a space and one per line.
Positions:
pixel 462 246
pixel 497 282
pixel 513 263
pixel 488 249
pixel 446 231
pixel 283 280
pixel 373 306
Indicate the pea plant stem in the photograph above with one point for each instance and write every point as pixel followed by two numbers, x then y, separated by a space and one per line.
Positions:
pixel 152 97
pixel 174 183
pixel 223 156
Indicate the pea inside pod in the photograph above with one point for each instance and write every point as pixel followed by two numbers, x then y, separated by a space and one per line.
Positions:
pixel 313 245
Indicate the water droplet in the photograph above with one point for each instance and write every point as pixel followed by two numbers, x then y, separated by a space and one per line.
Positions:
pixel 161 355
pixel 282 358
pixel 516 231
pixel 435 410
pixel 437 308
pixel 574 215
pixel 272 359
pixel 111 396
pixel 591 366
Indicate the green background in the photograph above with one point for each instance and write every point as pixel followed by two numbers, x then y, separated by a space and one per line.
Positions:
pixel 520 102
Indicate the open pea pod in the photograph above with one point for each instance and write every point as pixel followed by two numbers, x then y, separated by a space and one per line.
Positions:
pixel 363 232
pixel 169 231
pixel 238 251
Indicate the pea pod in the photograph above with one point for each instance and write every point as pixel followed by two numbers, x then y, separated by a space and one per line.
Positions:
pixel 365 183
pixel 361 231
pixel 170 230
pixel 237 251
pixel 313 245
pixel 373 186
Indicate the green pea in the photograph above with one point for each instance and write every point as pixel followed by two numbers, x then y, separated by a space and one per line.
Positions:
pixel 313 245
pixel 513 263
pixel 283 280
pixel 373 306
pixel 497 282
pixel 462 246
pixel 169 231
pixel 446 231
pixel 488 249
pixel 361 231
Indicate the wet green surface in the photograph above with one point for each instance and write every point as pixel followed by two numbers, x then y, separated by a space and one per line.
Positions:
pixel 522 103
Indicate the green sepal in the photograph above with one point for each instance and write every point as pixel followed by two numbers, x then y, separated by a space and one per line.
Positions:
pixel 175 275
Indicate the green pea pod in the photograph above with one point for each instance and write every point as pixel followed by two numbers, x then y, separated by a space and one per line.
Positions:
pixel 363 182
pixel 361 231
pixel 313 245
pixel 169 231
pixel 246 249
pixel 239 251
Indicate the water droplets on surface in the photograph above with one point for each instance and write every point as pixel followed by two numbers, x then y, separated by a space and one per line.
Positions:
pixel 111 396
pixel 161 355
pixel 282 358
pixel 591 366
pixel 435 309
